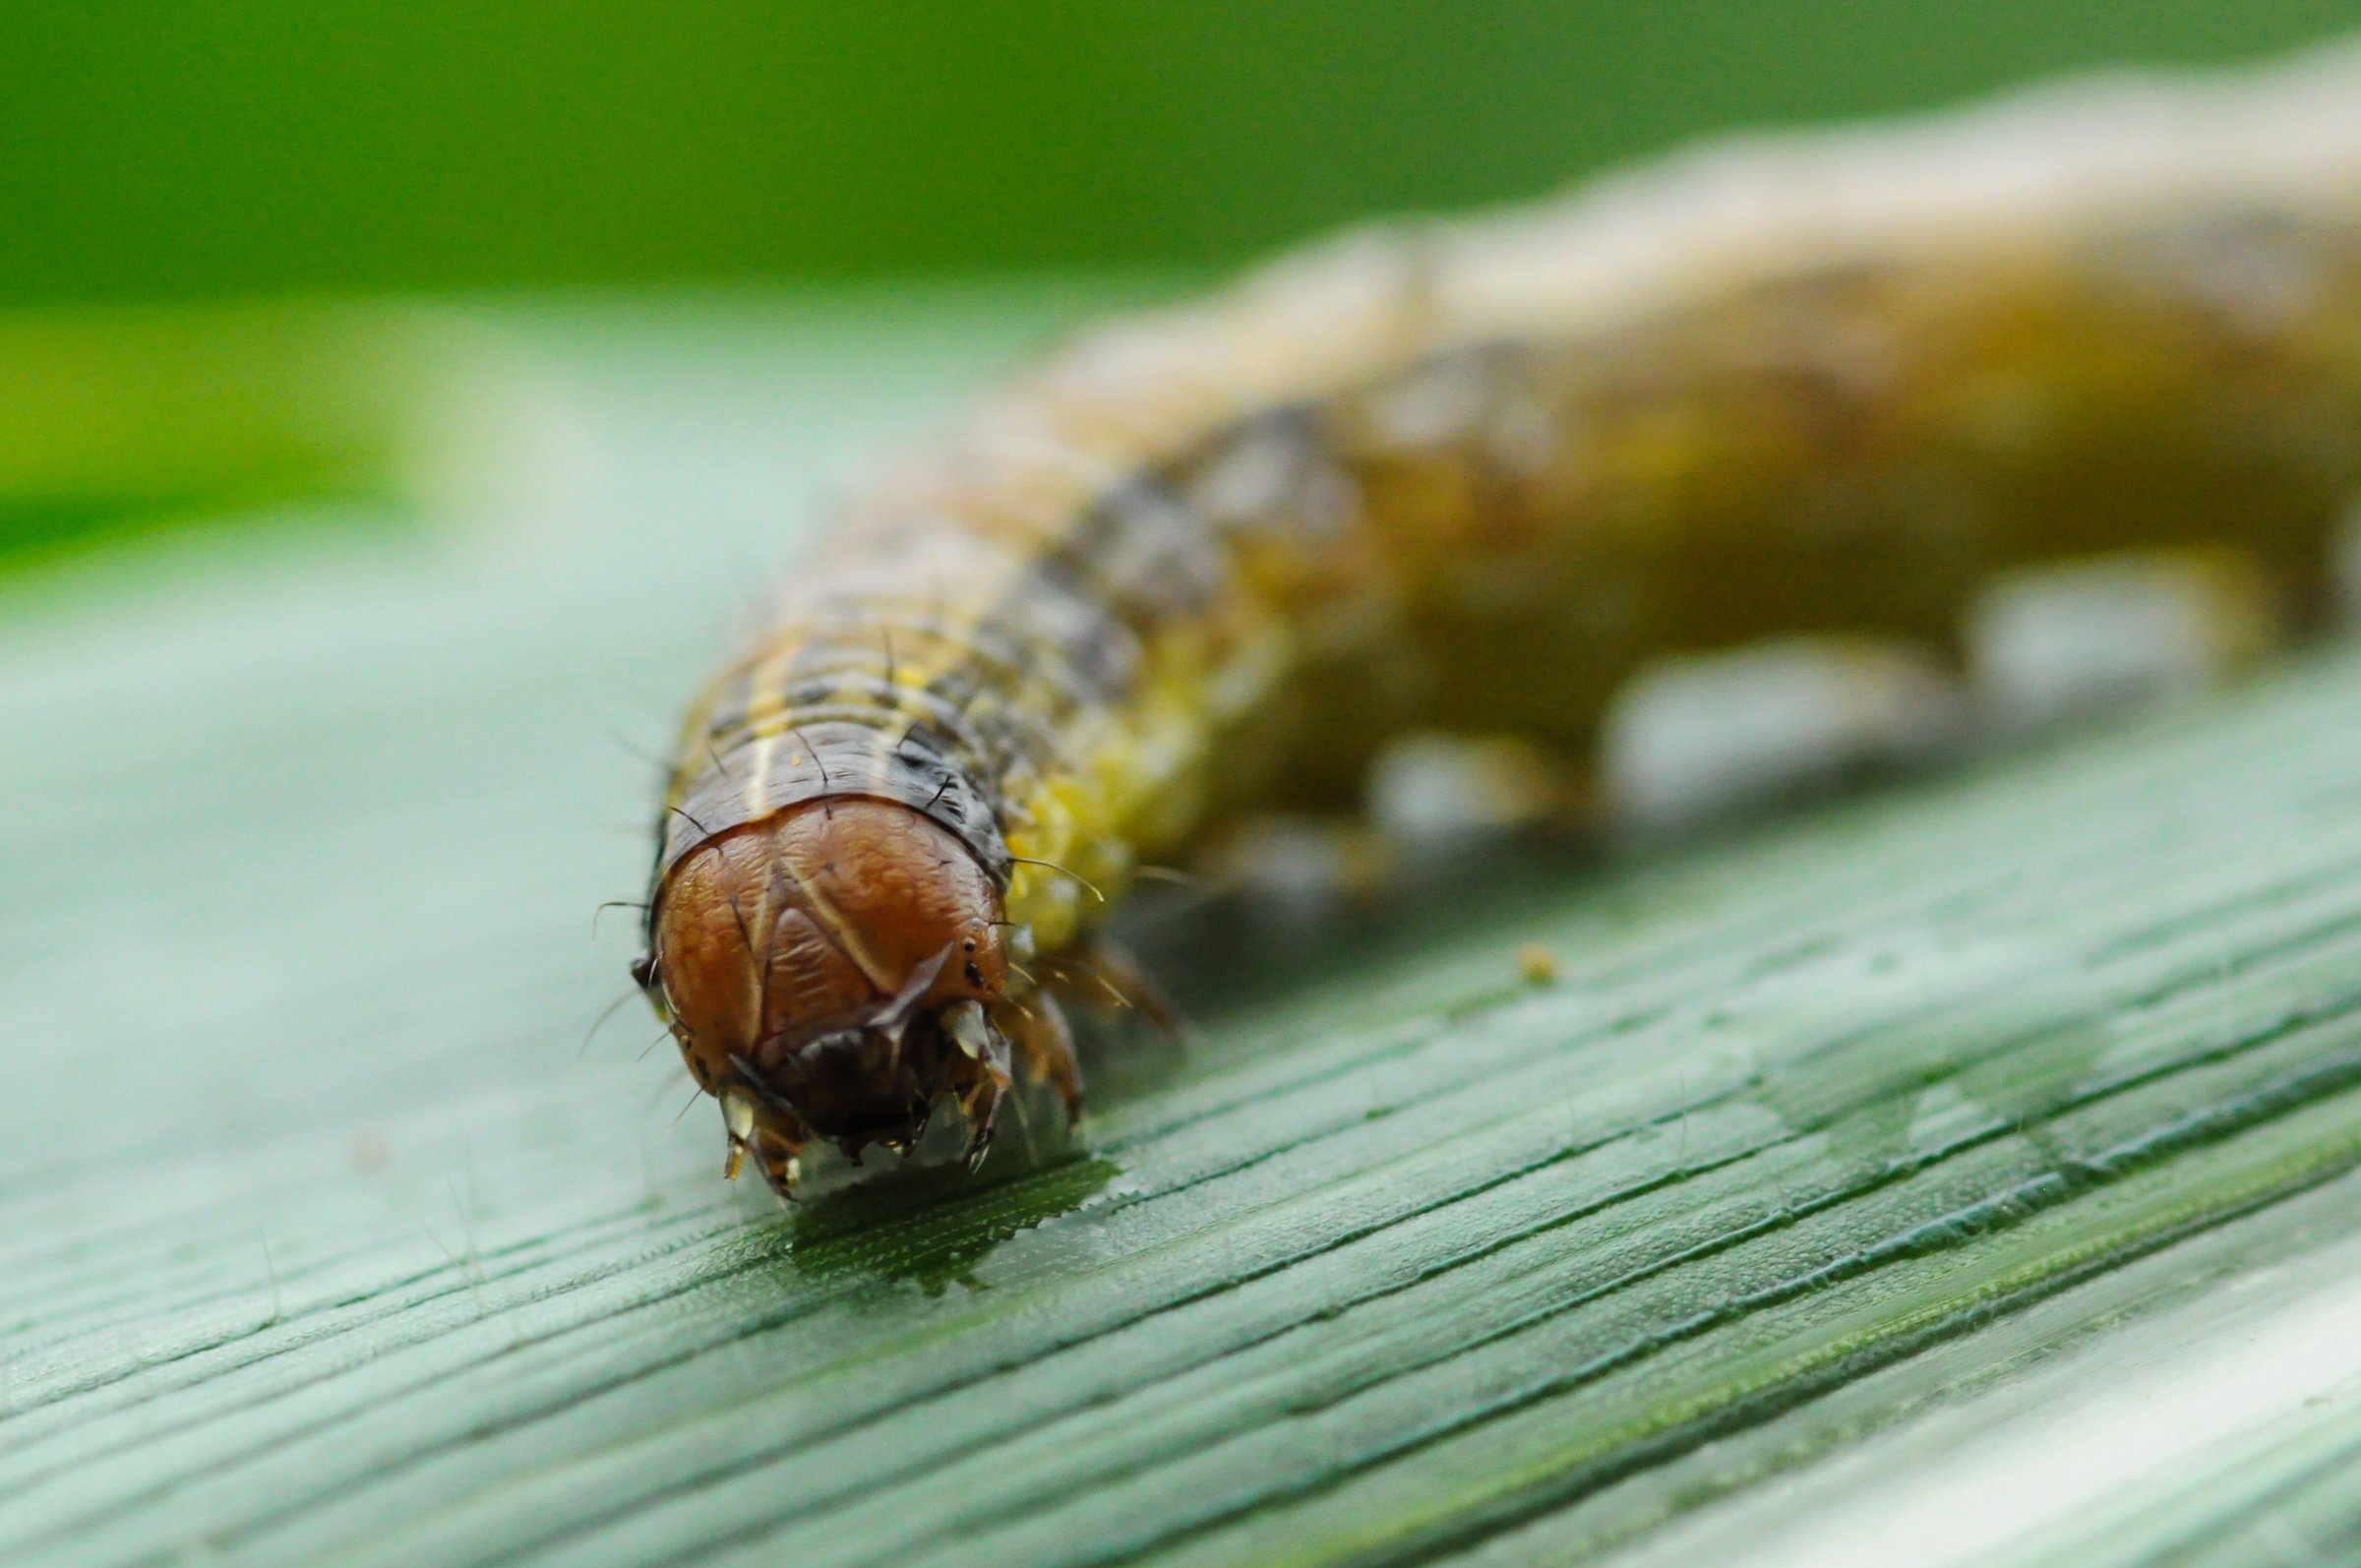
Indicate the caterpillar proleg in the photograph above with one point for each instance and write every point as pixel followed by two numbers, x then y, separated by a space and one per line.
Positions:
pixel 1472 476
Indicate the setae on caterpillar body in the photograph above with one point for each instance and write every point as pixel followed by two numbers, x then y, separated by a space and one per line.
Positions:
pixel 1471 477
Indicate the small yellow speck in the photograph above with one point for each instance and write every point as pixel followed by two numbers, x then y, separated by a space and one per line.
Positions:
pixel 370 1153
pixel 1538 964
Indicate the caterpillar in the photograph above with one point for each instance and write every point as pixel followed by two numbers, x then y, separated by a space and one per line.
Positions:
pixel 1472 475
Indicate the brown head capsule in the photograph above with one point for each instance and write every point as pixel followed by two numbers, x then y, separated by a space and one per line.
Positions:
pixel 832 971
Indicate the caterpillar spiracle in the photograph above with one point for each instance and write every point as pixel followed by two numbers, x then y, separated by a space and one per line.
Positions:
pixel 1472 476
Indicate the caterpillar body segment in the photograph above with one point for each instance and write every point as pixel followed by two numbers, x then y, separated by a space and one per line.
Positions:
pixel 1472 477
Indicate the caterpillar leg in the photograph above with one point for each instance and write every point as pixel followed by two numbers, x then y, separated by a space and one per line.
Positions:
pixel 771 1135
pixel 1042 1035
pixel 1296 868
pixel 1698 735
pixel 983 1082
pixel 1432 797
pixel 1443 792
pixel 781 1163
pixel 2044 643
pixel 1101 974
pixel 1435 803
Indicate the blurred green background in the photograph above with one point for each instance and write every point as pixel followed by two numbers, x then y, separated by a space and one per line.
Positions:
pixel 273 172
pixel 155 149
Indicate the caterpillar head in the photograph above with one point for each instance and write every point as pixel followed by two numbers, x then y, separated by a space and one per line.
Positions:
pixel 831 971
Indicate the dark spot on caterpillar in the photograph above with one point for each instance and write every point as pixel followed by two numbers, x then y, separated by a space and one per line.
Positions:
pixel 975 976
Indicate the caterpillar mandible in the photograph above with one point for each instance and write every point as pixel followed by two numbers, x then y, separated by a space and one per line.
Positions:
pixel 1471 476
